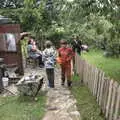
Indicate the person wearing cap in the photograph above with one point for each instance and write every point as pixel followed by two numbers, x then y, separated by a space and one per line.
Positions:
pixel 66 54
pixel 49 56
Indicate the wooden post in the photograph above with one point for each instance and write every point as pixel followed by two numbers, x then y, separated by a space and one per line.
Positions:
pixel 109 99
pixel 117 106
pixel 1 83
pixel 20 60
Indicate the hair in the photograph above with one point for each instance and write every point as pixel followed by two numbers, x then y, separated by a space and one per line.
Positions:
pixel 29 41
pixel 63 41
pixel 75 36
pixel 48 44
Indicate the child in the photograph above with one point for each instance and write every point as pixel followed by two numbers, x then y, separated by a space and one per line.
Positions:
pixel 49 60
pixel 66 54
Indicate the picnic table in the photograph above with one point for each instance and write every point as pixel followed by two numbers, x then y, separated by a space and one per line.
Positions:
pixel 30 85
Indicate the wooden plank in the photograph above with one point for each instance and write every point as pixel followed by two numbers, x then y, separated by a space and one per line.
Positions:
pixel 88 76
pixel 99 84
pixel 109 99
pixel 76 64
pixel 101 89
pixel 105 94
pixel 79 66
pixel 96 81
pixel 93 80
pixel 112 107
pixel 82 71
pixel 117 106
pixel 85 73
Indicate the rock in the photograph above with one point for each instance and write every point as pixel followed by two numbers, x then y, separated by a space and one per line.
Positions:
pixel 75 115
pixel 28 85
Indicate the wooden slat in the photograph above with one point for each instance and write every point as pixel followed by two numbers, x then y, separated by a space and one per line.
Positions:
pixel 85 72
pixel 93 80
pixel 96 81
pixel 82 70
pixel 99 85
pixel 105 94
pixel 88 77
pixel 112 107
pixel 117 106
pixel 109 99
pixel 101 89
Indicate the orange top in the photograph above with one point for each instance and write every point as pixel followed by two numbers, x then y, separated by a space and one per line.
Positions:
pixel 65 54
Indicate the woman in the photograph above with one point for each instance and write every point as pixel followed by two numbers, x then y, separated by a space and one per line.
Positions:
pixel 33 52
pixel 66 54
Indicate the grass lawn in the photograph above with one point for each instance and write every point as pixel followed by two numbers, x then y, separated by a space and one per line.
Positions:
pixel 14 108
pixel 86 103
pixel 111 66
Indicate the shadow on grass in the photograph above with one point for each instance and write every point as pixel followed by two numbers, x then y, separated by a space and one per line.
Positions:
pixel 31 98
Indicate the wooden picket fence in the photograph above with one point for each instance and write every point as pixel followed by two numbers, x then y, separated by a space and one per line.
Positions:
pixel 106 91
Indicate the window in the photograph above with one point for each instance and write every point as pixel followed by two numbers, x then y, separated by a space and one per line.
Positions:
pixel 8 42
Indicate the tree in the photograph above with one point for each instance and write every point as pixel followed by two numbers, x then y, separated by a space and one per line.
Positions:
pixel 11 3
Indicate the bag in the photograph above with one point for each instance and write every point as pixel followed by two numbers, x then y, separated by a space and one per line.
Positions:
pixel 58 60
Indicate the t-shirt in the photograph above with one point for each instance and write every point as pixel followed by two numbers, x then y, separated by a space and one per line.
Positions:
pixel 32 53
pixel 66 54
pixel 49 55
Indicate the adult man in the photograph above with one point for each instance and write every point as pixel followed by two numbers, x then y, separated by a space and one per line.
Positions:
pixel 77 47
pixel 76 44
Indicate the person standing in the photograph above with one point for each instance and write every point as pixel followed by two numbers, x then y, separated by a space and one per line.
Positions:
pixel 49 55
pixel 66 54
pixel 76 44
pixel 77 47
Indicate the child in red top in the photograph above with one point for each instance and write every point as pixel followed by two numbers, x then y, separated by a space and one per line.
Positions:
pixel 66 54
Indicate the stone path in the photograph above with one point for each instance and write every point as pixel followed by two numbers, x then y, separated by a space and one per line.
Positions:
pixel 61 104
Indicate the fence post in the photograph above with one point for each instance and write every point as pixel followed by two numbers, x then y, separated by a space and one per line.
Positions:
pixel 117 106
pixel 115 85
pixel 109 99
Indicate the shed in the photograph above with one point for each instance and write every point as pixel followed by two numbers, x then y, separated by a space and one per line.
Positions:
pixel 10 49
